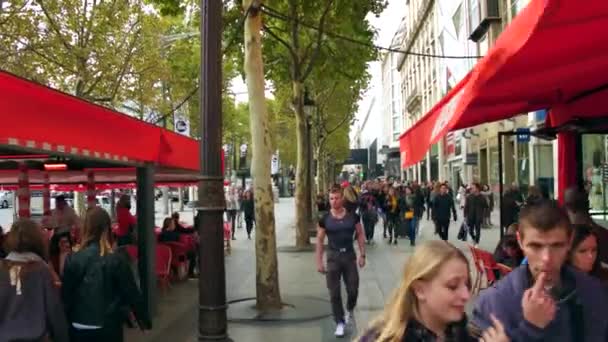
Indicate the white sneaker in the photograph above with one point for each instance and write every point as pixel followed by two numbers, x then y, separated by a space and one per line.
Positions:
pixel 349 317
pixel 340 330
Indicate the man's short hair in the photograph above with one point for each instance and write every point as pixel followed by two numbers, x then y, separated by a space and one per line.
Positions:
pixel 576 200
pixel 59 199
pixel 336 190
pixel 545 215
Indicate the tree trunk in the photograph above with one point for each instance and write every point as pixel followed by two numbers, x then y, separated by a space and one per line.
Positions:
pixel 303 209
pixel 268 295
pixel 321 171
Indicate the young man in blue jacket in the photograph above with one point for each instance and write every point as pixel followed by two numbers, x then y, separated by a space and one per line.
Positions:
pixel 545 300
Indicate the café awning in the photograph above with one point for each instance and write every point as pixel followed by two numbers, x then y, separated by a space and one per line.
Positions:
pixel 38 119
pixel 553 55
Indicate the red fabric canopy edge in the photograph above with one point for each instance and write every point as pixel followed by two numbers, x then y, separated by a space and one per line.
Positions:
pixel 42 118
pixel 447 114
pixel 416 141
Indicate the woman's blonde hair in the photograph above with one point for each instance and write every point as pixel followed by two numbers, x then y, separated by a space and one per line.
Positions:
pixel 424 264
pixel 97 229
pixel 350 194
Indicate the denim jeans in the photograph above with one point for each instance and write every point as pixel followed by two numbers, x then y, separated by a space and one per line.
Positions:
pixel 413 230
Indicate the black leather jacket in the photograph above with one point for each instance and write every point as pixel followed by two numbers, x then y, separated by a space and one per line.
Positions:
pixel 100 291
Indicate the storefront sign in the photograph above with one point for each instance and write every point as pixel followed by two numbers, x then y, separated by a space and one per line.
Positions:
pixel 471 159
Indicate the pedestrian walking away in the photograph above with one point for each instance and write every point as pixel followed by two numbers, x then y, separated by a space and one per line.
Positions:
pixel 474 211
pixel 443 206
pixel 340 225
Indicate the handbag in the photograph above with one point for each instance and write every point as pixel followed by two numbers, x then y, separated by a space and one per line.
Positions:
pixel 409 215
pixel 462 233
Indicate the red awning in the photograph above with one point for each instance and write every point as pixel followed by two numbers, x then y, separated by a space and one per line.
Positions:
pixel 552 53
pixel 42 119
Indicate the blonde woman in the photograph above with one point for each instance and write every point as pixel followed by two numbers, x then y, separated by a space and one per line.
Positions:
pixel 429 303
pixel 351 199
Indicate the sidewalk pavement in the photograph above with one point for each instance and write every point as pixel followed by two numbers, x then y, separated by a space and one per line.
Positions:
pixel 177 312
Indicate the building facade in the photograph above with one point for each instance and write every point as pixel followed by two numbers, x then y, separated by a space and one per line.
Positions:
pixel 392 112
pixel 419 78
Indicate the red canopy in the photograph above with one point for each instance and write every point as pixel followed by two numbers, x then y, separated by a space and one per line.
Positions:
pixel 39 118
pixel 554 52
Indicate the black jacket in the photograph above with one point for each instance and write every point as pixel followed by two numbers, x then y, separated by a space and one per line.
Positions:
pixel 248 207
pixel 443 206
pixel 100 291
pixel 416 332
pixel 475 208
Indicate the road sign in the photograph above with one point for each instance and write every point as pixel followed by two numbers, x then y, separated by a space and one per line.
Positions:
pixel 523 135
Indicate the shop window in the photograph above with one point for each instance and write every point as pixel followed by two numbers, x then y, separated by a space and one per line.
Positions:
pixel 523 165
pixel 543 169
pixel 594 160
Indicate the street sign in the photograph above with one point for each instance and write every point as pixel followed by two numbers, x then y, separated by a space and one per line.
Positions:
pixel 274 165
pixel 182 124
pixel 523 135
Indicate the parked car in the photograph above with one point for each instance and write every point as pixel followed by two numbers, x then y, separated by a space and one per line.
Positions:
pixel 6 199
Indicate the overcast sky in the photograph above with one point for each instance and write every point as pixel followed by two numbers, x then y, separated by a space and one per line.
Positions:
pixel 387 24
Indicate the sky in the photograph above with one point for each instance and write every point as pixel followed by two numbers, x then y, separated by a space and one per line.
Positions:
pixel 386 24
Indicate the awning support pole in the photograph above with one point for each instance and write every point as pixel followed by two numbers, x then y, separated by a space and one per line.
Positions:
pixel 46 198
pixel 146 239
pixel 500 181
pixel 91 193
pixel 23 191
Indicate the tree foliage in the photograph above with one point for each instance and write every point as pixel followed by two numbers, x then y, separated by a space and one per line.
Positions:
pixel 102 51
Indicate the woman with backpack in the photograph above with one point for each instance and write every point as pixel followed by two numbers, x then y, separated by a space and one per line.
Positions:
pixel 98 286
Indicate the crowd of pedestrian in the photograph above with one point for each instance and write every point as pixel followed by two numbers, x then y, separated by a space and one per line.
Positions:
pixel 555 290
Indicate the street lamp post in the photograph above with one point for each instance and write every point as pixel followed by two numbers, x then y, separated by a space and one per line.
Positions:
pixel 309 108
pixel 212 320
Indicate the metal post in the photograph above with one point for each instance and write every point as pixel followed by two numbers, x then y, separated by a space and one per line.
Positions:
pixel 311 194
pixel 146 239
pixel 46 199
pixel 500 183
pixel 212 320
pixel 91 193
pixel 23 191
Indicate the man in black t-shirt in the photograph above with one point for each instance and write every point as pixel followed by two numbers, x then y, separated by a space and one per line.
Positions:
pixel 340 226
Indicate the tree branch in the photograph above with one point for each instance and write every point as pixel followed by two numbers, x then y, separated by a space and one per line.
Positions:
pixel 54 26
pixel 319 43
pixel 346 118
pixel 295 39
pixel 11 13
pixel 29 47
pixel 282 41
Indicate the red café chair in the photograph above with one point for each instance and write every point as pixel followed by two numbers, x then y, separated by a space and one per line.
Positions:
pixel 179 259
pixel 503 269
pixel 132 251
pixel 163 266
pixel 478 269
pixel 489 266
pixel 189 241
